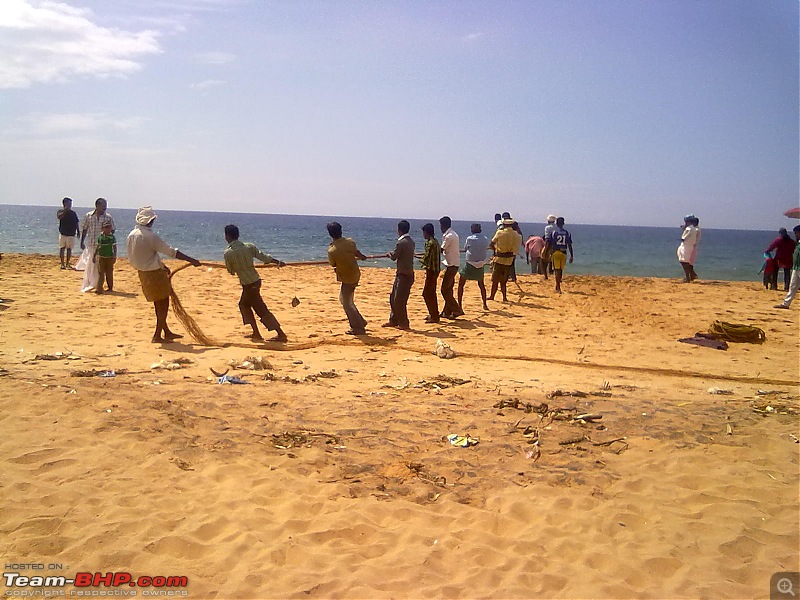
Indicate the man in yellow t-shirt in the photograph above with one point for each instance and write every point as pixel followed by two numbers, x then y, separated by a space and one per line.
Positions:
pixel 505 244
pixel 342 255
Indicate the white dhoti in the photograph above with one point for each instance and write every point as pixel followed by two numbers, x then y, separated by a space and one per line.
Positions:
pixel 89 268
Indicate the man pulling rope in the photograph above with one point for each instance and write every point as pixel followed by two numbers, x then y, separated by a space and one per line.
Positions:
pixel 144 246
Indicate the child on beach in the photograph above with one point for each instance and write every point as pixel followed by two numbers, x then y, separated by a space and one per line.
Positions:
pixel 105 255
pixel 770 270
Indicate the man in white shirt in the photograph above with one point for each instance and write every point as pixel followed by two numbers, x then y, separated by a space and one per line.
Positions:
pixel 144 245
pixel 451 262
pixel 548 232
pixel 92 228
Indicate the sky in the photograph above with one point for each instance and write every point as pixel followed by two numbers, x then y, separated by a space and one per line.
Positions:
pixel 629 112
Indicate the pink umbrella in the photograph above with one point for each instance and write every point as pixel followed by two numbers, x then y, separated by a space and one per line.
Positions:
pixel 793 213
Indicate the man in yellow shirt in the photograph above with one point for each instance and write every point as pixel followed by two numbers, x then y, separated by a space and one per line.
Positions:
pixel 342 255
pixel 505 244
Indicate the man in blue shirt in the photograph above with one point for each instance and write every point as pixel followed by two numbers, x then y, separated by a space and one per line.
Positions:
pixel 477 250
pixel 69 227
pixel 559 241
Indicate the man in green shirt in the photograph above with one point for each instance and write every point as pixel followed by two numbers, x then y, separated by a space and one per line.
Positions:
pixel 794 284
pixel 342 255
pixel 432 263
pixel 239 261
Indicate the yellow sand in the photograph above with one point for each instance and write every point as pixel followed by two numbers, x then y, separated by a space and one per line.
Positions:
pixel 165 472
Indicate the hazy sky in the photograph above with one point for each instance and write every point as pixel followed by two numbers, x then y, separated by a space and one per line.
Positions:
pixel 632 112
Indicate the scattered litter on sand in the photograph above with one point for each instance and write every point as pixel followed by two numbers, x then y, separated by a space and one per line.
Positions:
pixel 302 438
pixel 310 377
pixel 775 408
pixel 576 394
pixel 172 365
pixel 443 350
pixel 587 418
pixel 253 363
pixel 55 356
pixel 437 384
pixel 720 391
pixel 181 464
pixel 462 441
pixel 231 379
pixel 98 373
pixel 421 472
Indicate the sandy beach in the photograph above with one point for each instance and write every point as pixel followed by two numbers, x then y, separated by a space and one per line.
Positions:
pixel 329 475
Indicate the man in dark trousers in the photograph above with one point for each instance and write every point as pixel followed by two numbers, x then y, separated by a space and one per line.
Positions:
pixel 431 261
pixel 239 261
pixel 451 261
pixel 403 255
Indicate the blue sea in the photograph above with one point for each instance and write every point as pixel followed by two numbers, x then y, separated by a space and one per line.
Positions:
pixel 729 255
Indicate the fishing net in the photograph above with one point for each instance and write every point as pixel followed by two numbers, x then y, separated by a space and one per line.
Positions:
pixel 186 319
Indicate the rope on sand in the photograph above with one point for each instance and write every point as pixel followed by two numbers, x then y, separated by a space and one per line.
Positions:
pixel 195 331
pixel 191 325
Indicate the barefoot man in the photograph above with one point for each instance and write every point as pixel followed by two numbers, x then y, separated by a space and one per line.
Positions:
pixel 69 227
pixel 239 261
pixel 143 248
pixel 505 244
pixel 477 250
pixel 343 255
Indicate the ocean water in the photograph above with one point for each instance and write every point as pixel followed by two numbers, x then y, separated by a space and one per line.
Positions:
pixel 729 255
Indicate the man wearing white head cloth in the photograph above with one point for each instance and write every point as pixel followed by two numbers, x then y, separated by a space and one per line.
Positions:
pixel 144 246
pixel 547 253
pixel 687 251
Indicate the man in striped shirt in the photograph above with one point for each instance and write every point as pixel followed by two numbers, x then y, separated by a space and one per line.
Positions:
pixel 92 227
pixel 239 261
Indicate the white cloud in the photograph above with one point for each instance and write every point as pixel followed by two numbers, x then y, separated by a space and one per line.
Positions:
pixel 473 37
pixel 48 124
pixel 187 6
pixel 214 58
pixel 47 42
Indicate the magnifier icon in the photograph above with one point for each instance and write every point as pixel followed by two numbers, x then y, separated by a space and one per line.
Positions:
pixel 784 586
